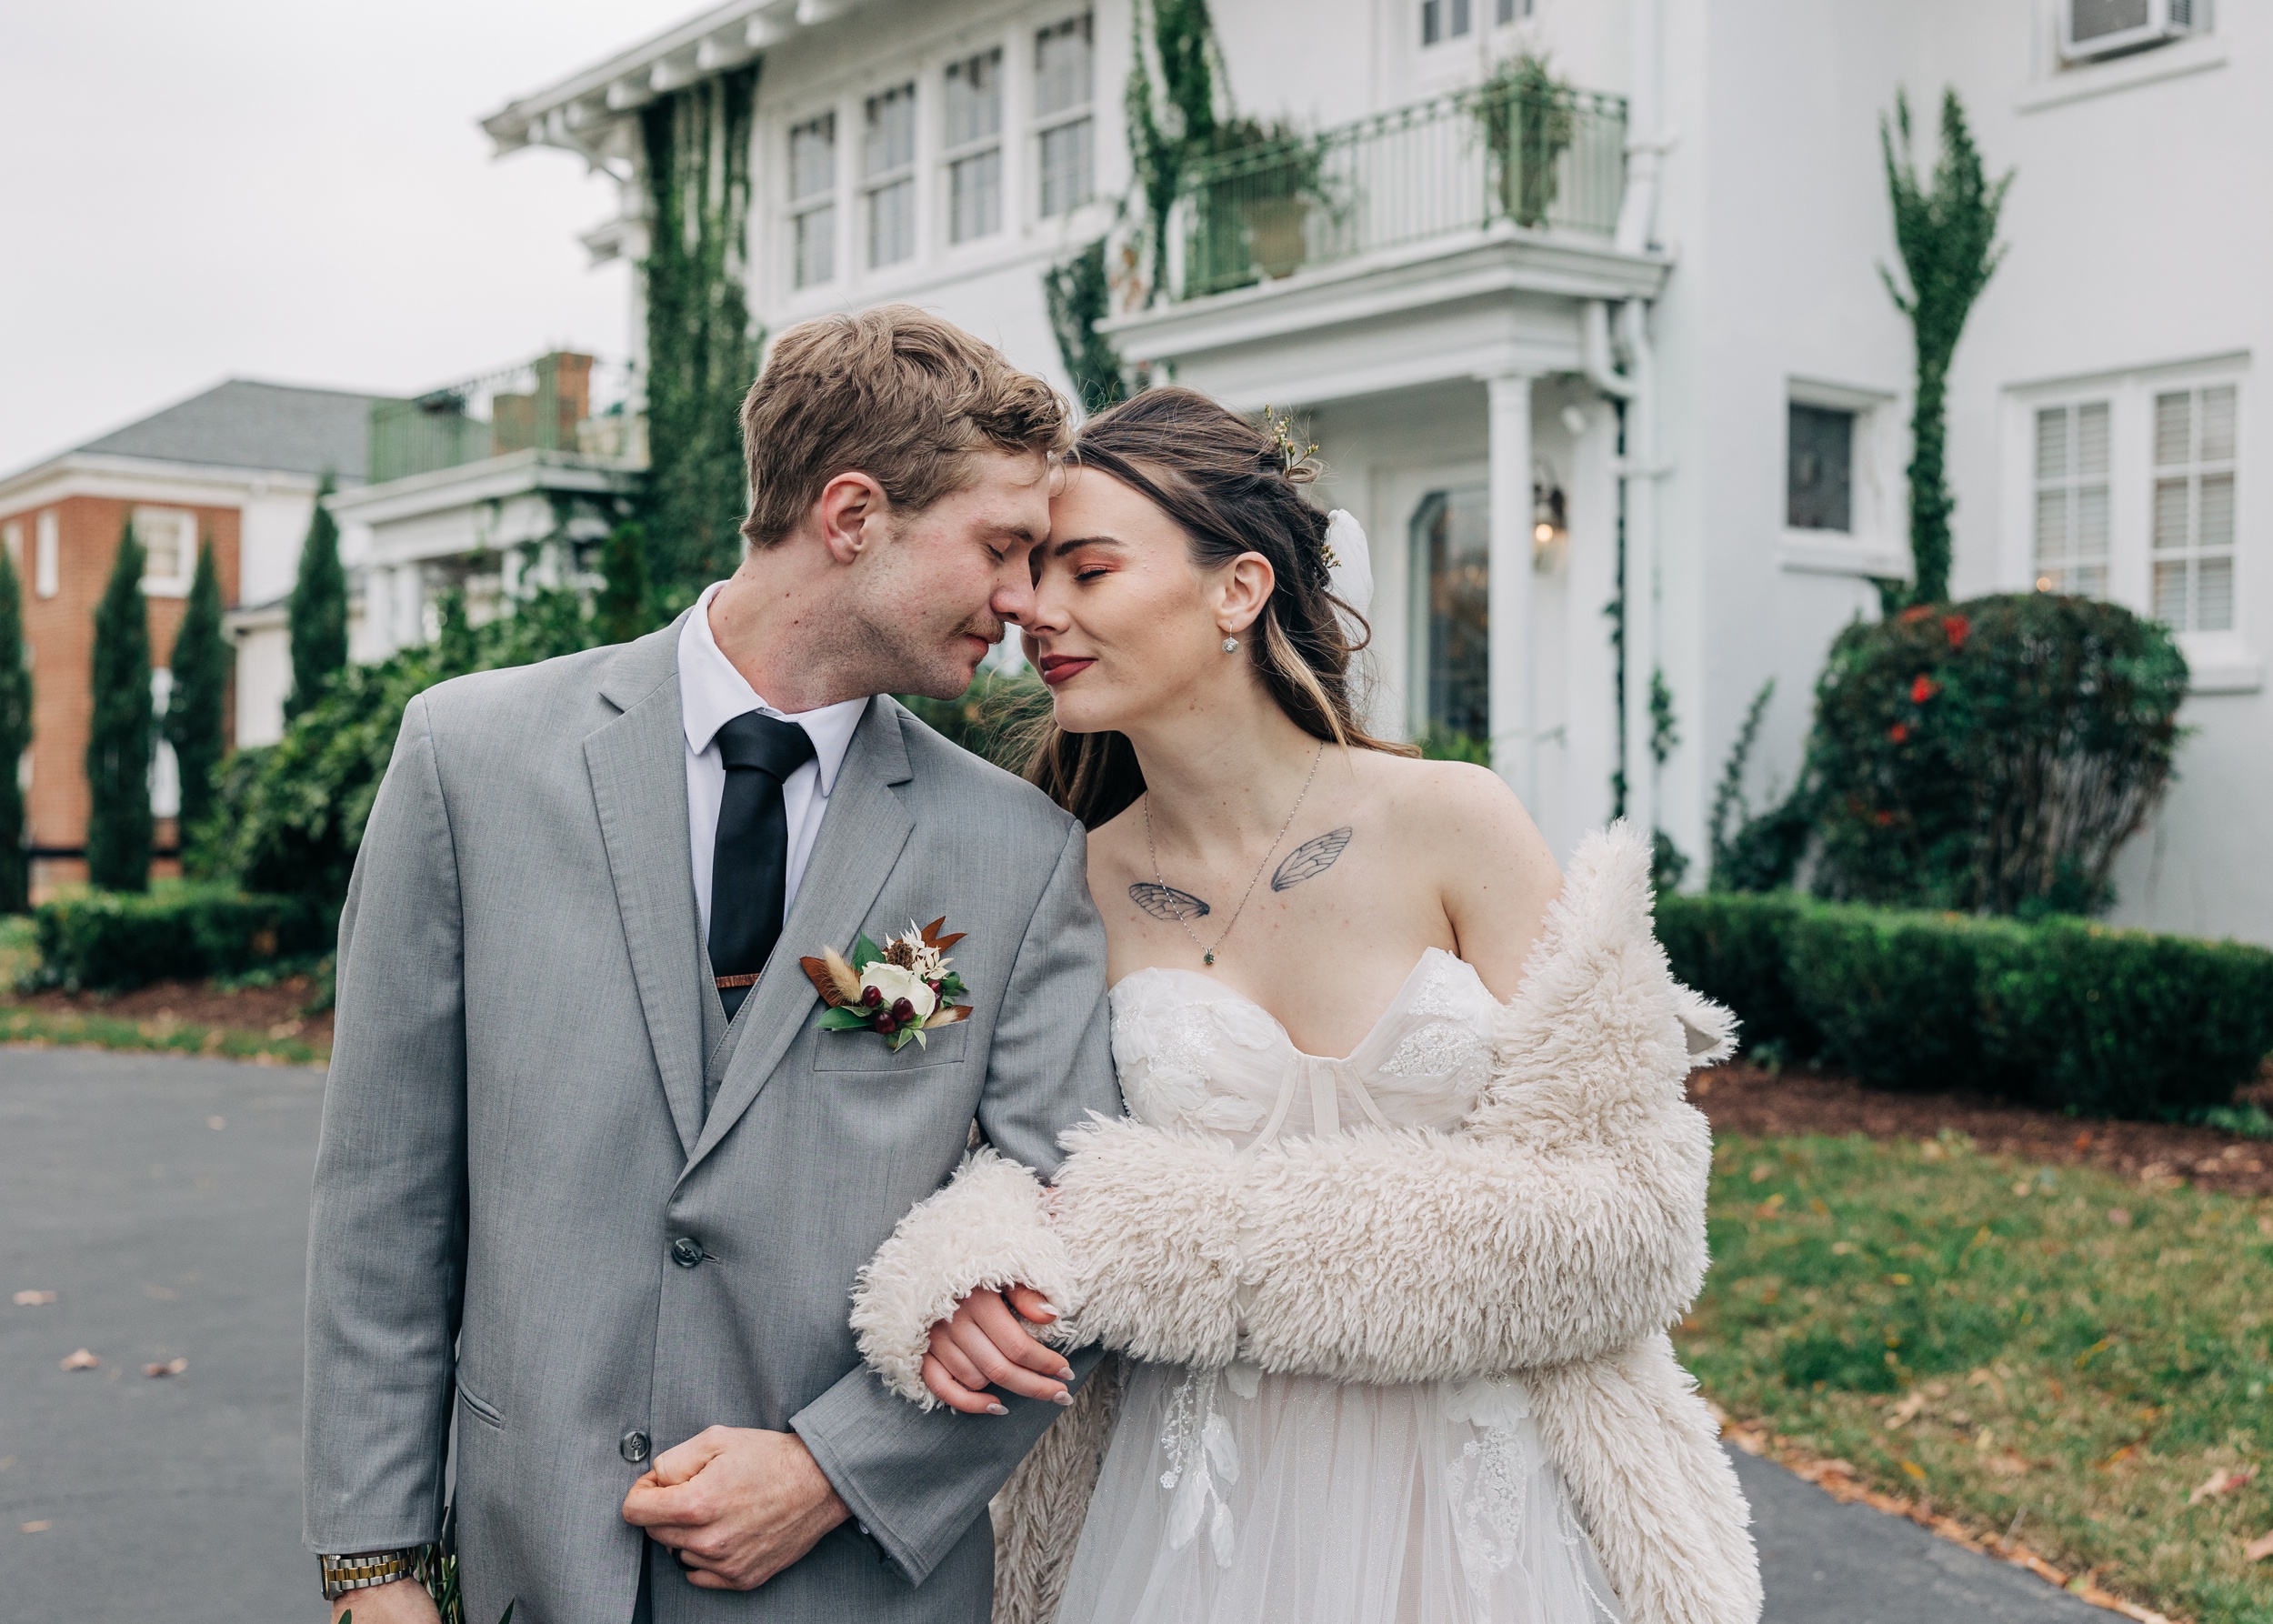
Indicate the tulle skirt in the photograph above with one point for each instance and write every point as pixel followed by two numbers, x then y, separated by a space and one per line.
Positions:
pixel 1239 1498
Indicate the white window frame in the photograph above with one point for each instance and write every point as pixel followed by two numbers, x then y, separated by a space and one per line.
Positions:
pixel 166 769
pixel 1083 112
pixel 183 522
pixel 2188 475
pixel 1440 24
pixel 2220 662
pixel 48 554
pixel 11 538
pixel 1873 544
pixel 2075 486
pixel 874 185
pixel 800 207
pixel 974 148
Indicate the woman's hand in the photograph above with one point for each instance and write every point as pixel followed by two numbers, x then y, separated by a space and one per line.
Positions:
pixel 984 1344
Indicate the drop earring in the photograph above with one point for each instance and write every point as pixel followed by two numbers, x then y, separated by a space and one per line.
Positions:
pixel 1231 645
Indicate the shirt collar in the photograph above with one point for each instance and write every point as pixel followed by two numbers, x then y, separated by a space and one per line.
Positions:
pixel 712 693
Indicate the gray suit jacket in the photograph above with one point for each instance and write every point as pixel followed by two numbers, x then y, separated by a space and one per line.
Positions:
pixel 515 1133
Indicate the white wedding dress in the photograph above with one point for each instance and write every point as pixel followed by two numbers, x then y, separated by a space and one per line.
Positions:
pixel 1241 1498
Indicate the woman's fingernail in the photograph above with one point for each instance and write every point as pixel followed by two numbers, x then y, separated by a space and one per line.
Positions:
pixel 1063 1398
pixel 997 1410
pixel 1066 1374
pixel 1049 1309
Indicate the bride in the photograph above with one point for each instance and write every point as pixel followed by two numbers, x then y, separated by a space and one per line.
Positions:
pixel 1408 1193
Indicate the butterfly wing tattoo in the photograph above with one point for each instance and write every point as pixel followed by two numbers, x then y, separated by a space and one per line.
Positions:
pixel 1166 902
pixel 1311 858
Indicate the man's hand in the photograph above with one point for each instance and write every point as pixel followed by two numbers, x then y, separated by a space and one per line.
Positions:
pixel 735 1504
pixel 405 1601
pixel 984 1345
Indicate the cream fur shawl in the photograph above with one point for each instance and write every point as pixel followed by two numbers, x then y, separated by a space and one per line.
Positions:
pixel 1555 1235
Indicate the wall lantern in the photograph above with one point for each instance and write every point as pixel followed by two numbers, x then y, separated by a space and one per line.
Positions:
pixel 1549 531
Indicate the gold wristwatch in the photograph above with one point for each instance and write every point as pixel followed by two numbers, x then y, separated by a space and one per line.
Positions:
pixel 343 1575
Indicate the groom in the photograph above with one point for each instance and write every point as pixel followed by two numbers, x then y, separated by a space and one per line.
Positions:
pixel 592 1187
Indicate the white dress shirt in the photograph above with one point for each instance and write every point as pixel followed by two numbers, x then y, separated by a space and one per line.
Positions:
pixel 712 693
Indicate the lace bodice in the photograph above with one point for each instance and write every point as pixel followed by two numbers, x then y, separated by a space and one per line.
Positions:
pixel 1194 1055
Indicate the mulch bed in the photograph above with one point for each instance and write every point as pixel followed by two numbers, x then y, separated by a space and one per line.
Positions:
pixel 275 1012
pixel 1746 1100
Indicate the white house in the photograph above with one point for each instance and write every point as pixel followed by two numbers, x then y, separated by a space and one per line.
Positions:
pixel 1681 348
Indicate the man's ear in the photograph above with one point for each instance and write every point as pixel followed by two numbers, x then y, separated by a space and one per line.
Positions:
pixel 850 514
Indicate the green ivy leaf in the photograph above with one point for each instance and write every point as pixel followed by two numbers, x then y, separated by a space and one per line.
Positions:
pixel 842 1020
pixel 865 952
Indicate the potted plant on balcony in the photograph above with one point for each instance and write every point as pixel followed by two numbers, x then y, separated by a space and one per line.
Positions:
pixel 1530 118
pixel 1272 183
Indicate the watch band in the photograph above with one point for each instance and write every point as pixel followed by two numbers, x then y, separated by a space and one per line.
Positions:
pixel 343 1575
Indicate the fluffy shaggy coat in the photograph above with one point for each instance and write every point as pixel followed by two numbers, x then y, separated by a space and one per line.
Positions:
pixel 1554 1235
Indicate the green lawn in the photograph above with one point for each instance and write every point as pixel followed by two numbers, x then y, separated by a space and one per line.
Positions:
pixel 2055 1348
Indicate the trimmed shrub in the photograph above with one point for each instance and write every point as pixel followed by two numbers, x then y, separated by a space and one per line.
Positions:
pixel 2065 1013
pixel 2124 1023
pixel 1991 756
pixel 113 941
pixel 1730 947
pixel 1892 993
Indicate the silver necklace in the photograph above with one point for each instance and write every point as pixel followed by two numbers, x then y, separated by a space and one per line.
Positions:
pixel 1206 953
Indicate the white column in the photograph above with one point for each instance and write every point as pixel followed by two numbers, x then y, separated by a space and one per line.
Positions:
pixel 1513 746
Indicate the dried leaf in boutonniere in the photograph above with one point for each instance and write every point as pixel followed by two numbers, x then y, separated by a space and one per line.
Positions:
pixel 899 991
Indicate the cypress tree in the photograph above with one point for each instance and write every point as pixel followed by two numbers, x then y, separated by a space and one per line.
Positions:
pixel 1948 237
pixel 118 744
pixel 15 737
pixel 622 611
pixel 193 709
pixel 318 610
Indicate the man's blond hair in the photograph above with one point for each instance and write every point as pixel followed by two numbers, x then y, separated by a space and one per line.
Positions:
pixel 893 393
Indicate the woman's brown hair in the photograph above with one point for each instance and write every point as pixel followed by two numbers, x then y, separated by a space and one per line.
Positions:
pixel 1232 488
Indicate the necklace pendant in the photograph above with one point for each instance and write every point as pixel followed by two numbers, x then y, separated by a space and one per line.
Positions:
pixel 1207 958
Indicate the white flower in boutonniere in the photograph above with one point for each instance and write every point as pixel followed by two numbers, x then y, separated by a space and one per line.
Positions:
pixel 899 991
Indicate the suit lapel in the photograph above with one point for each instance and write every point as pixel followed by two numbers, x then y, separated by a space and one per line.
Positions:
pixel 638 768
pixel 860 840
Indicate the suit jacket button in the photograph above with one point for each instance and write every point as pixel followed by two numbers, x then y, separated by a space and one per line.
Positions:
pixel 687 1251
pixel 634 1448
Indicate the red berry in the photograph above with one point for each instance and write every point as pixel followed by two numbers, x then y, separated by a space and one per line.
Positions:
pixel 903 1011
pixel 887 1024
pixel 872 996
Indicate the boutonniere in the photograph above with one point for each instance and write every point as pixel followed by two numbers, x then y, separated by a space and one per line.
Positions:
pixel 901 990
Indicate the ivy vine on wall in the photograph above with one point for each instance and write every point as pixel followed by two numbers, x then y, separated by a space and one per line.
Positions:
pixel 701 346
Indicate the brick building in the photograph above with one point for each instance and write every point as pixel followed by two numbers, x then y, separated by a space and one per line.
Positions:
pixel 237 466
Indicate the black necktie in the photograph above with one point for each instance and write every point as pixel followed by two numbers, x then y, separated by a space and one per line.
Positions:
pixel 749 864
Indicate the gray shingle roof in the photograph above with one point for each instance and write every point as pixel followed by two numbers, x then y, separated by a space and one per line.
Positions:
pixel 243 424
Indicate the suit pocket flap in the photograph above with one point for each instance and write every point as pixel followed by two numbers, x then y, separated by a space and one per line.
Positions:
pixel 864 1051
pixel 481 1409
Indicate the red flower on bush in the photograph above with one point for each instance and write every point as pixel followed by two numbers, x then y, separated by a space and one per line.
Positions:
pixel 1898 732
pixel 1922 689
pixel 1957 625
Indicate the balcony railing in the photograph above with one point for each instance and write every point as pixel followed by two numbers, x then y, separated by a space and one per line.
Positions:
pixel 1547 160
pixel 559 402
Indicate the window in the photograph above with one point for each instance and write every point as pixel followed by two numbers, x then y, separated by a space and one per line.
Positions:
pixel 169 548
pixel 1819 469
pixel 1441 20
pixel 973 143
pixel 11 538
pixel 47 561
pixel 1064 80
pixel 165 771
pixel 2071 499
pixel 1507 11
pixel 2193 550
pixel 1451 540
pixel 887 169
pixel 812 199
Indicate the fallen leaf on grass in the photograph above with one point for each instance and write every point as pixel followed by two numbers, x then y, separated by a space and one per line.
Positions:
pixel 1906 1411
pixel 39 1527
pixel 32 1299
pixel 1913 1469
pixel 2118 1217
pixel 81 1360
pixel 2221 1482
pixel 171 1368
pixel 2258 1549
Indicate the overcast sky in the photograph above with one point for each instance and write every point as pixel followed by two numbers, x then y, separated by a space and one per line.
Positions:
pixel 286 189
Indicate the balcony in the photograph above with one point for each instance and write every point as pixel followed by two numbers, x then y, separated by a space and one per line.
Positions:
pixel 561 402
pixel 1546 162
